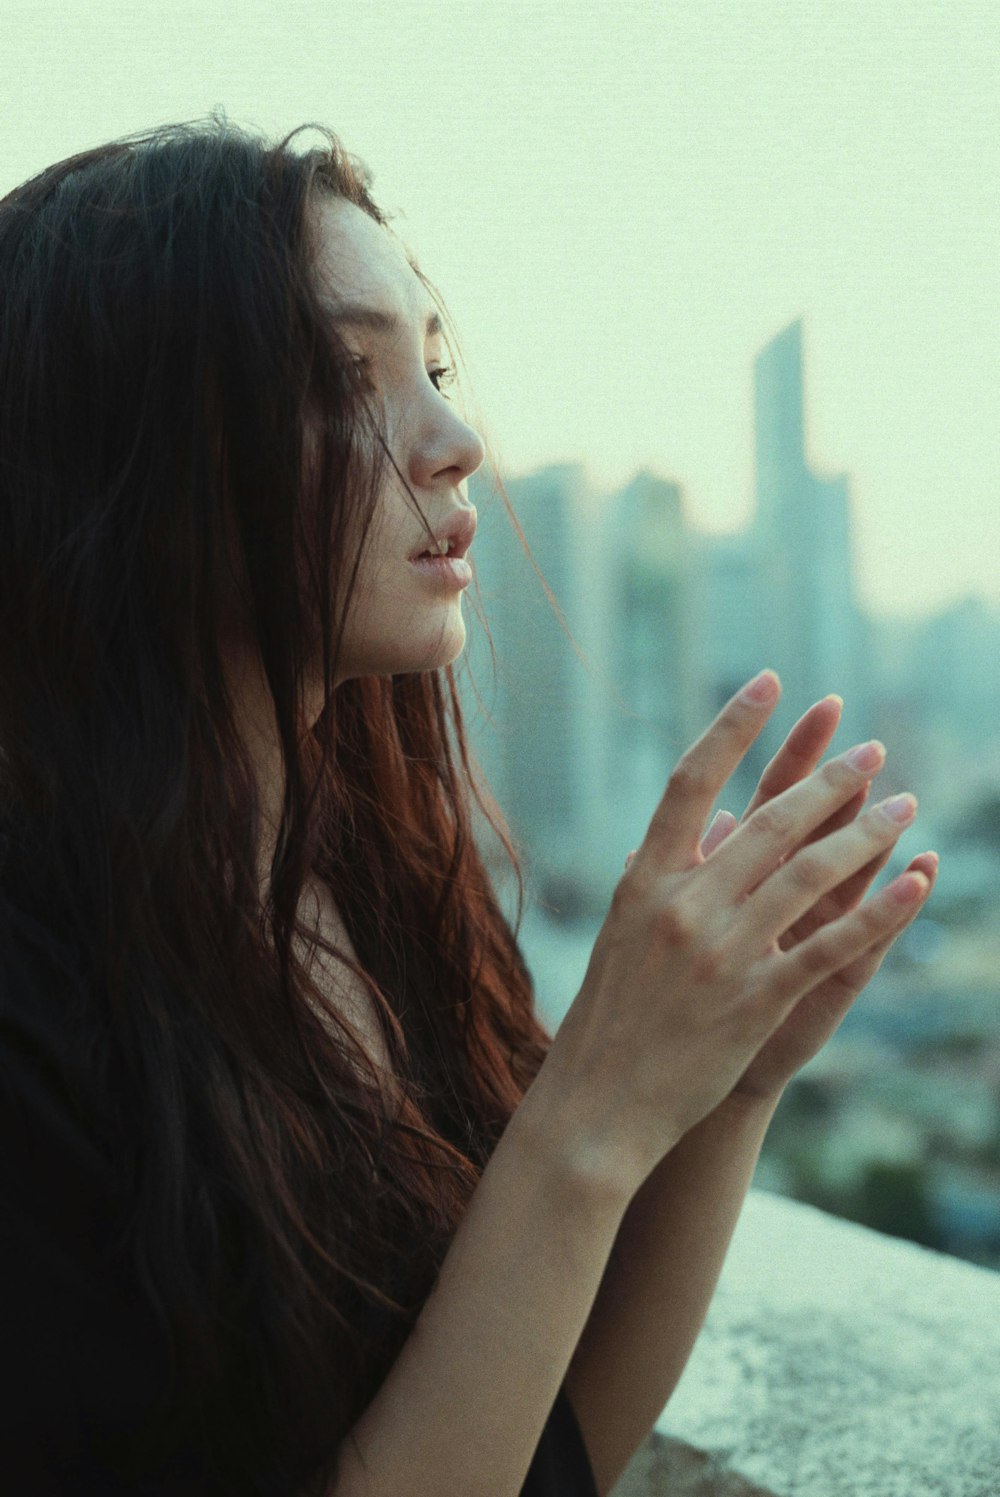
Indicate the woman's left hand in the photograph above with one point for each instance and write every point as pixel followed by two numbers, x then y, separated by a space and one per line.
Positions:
pixel 818 1014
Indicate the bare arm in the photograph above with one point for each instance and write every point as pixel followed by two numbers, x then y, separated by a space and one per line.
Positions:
pixel 670 1249
pixel 465 1403
pixel 684 987
pixel 659 1283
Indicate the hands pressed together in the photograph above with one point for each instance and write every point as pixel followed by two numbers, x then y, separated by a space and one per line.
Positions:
pixel 727 961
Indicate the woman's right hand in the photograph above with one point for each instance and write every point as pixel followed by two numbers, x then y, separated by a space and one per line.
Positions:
pixel 685 983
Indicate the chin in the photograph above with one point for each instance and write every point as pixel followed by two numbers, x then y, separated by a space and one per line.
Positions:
pixel 448 642
pixel 392 660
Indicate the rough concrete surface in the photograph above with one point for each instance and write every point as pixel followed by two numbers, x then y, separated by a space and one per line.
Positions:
pixel 834 1362
pixel 664 1466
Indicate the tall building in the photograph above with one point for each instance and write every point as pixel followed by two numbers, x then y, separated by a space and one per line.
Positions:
pixel 544 751
pixel 579 752
pixel 656 652
pixel 733 644
pixel 953 679
pixel 813 628
pixel 670 624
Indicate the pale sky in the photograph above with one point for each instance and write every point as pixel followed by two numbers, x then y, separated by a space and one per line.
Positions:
pixel 621 203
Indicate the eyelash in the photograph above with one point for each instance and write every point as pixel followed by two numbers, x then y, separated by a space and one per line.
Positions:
pixel 446 374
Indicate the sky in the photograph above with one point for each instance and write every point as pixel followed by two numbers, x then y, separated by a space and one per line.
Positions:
pixel 621 203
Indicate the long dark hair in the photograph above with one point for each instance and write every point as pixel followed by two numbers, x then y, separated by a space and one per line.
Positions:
pixel 176 411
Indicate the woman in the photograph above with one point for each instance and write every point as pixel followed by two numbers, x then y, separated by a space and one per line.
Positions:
pixel 300 1196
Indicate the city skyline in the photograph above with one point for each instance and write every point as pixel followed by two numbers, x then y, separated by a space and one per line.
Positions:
pixel 666 623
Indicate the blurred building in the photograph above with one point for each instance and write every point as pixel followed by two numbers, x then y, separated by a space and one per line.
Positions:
pixel 781 593
pixel 670 624
pixel 545 750
pixel 579 750
pixel 656 650
pixel 954 675
pixel 732 638
pixel 813 627
pixel 938 707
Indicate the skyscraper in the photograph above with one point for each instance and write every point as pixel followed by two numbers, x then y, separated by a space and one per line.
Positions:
pixel 813 632
pixel 544 752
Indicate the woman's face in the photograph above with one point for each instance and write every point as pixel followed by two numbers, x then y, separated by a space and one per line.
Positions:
pixel 401 617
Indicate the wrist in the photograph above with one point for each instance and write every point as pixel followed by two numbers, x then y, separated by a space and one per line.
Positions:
pixel 582 1162
pixel 746 1109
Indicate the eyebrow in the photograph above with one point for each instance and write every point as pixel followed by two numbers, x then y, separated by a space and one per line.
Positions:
pixel 354 314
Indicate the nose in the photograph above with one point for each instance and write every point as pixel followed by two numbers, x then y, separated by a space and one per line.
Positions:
pixel 445 447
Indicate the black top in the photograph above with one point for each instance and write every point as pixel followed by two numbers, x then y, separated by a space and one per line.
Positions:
pixel 82 1354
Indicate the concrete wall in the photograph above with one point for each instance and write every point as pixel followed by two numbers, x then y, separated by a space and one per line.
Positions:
pixel 834 1362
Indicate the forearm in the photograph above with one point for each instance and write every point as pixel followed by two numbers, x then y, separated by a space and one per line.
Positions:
pixel 464 1405
pixel 659 1281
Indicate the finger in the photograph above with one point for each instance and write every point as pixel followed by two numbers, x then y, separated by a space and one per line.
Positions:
pixel 846 896
pixel 801 751
pixel 784 898
pixel 834 948
pixel 679 820
pixel 817 1012
pixel 849 895
pixel 773 833
pixel 857 974
pixel 927 863
pixel 841 817
pixel 724 823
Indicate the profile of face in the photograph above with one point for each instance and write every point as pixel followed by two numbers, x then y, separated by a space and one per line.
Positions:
pixel 402 617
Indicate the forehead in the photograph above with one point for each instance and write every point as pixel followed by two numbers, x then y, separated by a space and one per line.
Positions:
pixel 360 261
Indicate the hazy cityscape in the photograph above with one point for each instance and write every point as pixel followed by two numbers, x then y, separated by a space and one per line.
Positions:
pixel 896 1122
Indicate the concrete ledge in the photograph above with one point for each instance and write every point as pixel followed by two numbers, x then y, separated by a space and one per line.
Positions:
pixel 834 1362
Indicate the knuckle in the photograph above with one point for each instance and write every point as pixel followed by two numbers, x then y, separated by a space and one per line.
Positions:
pixel 816 957
pixel 625 893
pixel 773 821
pixel 881 825
pixel 807 871
pixel 708 964
pixel 844 985
pixel 839 775
pixel 690 777
pixel 674 924
pixel 873 918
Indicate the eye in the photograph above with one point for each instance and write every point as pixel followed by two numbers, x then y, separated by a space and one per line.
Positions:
pixel 438 377
pixel 362 364
pixel 446 375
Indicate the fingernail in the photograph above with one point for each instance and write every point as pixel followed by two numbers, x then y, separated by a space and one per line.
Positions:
pixel 717 819
pixel 762 689
pixel 900 807
pixel 909 887
pixel 866 756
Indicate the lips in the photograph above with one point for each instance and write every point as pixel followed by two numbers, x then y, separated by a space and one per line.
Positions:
pixel 459 528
